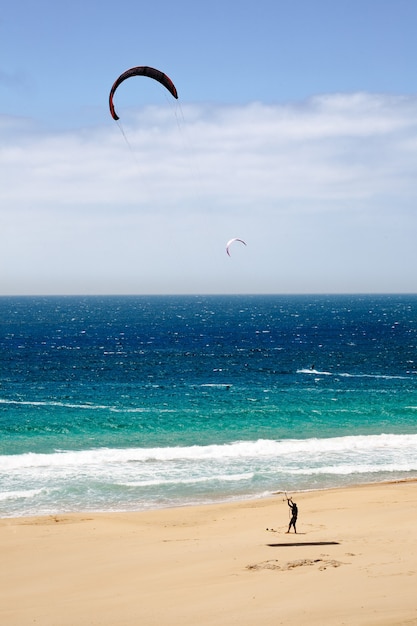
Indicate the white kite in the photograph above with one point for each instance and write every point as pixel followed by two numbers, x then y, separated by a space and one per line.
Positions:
pixel 229 243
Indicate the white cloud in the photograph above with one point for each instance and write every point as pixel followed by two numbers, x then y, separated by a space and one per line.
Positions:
pixel 323 192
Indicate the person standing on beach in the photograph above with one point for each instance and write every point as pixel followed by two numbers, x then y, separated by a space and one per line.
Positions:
pixel 294 512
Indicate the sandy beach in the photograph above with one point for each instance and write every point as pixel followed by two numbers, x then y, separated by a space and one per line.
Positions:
pixel 352 561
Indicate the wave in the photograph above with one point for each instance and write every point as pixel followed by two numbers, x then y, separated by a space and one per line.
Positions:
pixel 81 406
pixel 347 375
pixel 143 478
pixel 190 481
pixel 19 494
pixel 349 470
pixel 54 403
pixel 238 450
pixel 217 385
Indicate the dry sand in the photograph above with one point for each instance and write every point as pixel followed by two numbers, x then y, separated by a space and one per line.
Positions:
pixel 353 561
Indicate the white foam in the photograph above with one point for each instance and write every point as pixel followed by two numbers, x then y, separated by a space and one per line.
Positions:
pixel 20 493
pixel 348 375
pixel 261 448
pixel 191 481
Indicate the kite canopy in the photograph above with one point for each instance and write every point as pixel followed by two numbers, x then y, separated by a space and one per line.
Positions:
pixel 141 70
pixel 229 243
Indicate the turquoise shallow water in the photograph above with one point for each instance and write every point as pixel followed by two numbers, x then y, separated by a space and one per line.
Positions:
pixel 131 403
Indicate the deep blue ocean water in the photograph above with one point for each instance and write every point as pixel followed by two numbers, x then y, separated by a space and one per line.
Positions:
pixel 133 403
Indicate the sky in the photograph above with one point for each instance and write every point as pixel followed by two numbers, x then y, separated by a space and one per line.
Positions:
pixel 295 130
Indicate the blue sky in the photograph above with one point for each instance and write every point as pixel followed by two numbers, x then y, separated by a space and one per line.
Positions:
pixel 295 130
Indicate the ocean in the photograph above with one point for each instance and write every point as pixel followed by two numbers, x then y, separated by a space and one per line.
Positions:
pixel 144 402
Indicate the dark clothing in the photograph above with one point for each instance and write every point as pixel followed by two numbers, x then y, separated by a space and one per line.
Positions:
pixel 294 511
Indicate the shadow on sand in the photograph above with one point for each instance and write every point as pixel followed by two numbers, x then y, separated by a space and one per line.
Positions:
pixel 303 543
